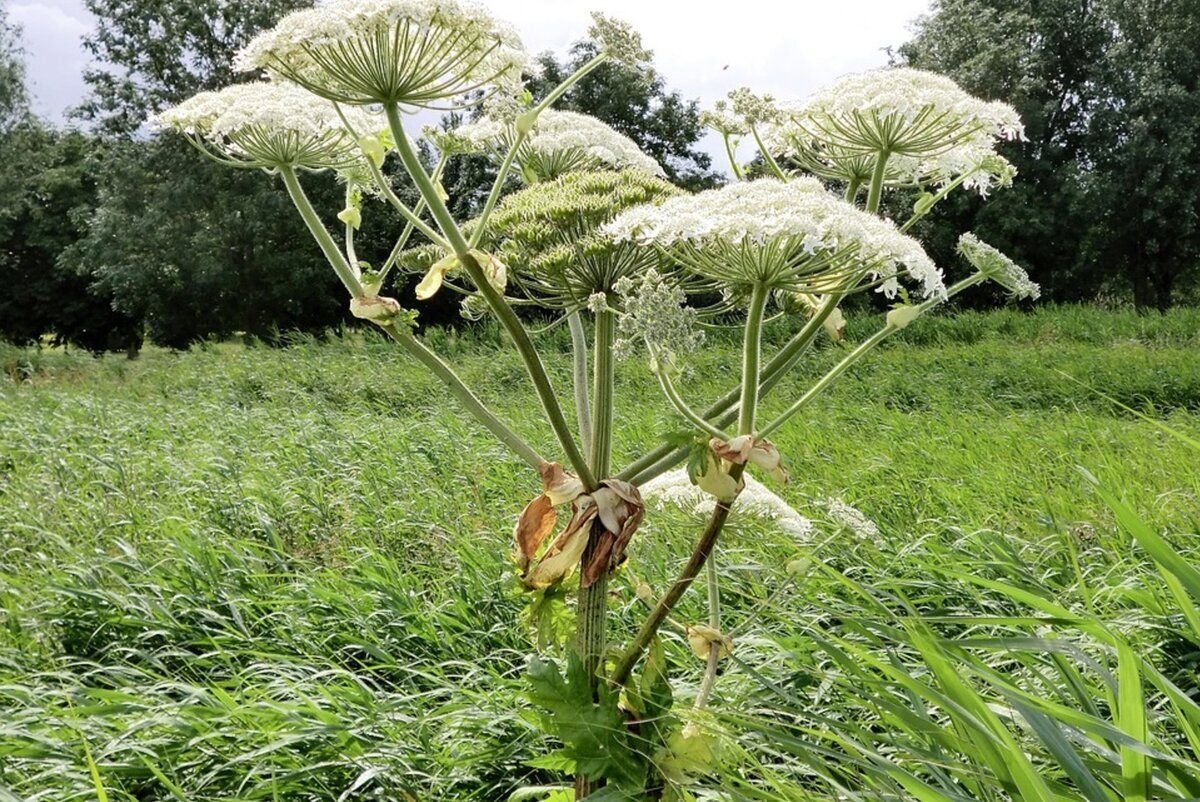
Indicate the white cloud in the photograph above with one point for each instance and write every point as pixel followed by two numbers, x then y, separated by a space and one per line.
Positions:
pixel 55 59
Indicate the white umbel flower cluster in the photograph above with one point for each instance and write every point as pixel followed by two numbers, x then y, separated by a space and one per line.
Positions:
pixel 792 236
pixel 998 267
pixel 974 163
pixel 902 110
pixel 852 518
pixel 271 124
pixel 675 489
pixel 929 128
pixel 561 142
pixel 410 52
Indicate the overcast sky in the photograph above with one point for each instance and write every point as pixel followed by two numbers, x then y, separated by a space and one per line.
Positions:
pixel 702 48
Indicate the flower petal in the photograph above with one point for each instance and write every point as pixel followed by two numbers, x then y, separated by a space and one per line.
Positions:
pixel 536 522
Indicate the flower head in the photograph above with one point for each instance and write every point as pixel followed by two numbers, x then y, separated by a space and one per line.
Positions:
pixel 723 119
pixel 905 111
pixel 998 267
pixel 793 236
pixel 619 40
pixel 560 142
pixel 676 489
pixel 269 124
pixel 409 52
pixel 547 235
pixel 655 312
pixel 751 108
pixel 931 130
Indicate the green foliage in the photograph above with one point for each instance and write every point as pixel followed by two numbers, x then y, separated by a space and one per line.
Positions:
pixel 1106 196
pixel 224 578
pixel 1145 145
pixel 150 54
pixel 237 260
pixel 49 180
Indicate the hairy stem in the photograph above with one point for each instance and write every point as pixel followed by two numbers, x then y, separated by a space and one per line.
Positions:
pixel 751 357
pixel 503 311
pixel 875 193
pixel 583 412
pixel 852 189
pixel 592 624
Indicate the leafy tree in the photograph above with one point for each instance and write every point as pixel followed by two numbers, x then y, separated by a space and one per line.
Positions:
pixel 1109 191
pixel 44 177
pixel 56 179
pixel 1040 56
pixel 151 54
pixel 198 250
pixel 1144 185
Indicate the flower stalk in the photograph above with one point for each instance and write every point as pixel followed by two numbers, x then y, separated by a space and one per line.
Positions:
pixel 508 318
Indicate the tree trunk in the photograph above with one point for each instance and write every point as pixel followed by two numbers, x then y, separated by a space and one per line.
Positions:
pixel 1164 289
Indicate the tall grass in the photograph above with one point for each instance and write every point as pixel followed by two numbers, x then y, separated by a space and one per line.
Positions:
pixel 282 574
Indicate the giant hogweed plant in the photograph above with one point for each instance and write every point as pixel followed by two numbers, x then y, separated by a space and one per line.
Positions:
pixel 598 236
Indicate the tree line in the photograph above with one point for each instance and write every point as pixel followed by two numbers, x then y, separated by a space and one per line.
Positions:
pixel 111 234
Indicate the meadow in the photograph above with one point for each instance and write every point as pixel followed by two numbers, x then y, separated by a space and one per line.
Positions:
pixel 252 573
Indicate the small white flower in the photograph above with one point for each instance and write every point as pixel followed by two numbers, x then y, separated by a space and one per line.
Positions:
pixel 793 236
pixel 998 267
pixel 560 142
pixel 852 518
pixel 269 124
pixel 675 489
pixel 410 52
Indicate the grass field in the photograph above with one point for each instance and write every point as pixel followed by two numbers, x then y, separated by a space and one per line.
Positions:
pixel 282 574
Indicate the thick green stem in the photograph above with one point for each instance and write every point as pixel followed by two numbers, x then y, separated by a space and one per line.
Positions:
pixel 465 396
pixel 333 254
pixel 507 317
pixel 767 157
pixel 703 547
pixel 875 193
pixel 852 189
pixel 592 623
pixel 603 376
pixel 663 457
pixel 751 357
pixel 583 411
